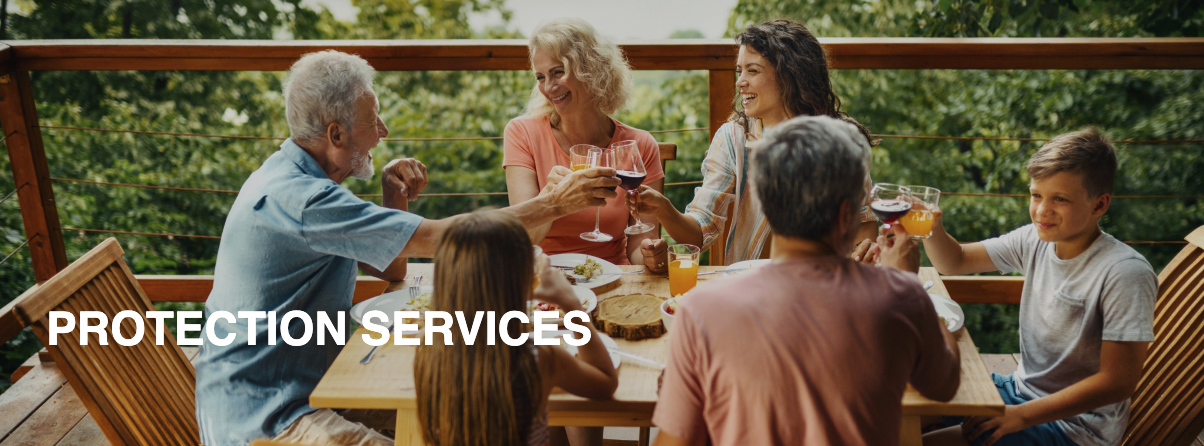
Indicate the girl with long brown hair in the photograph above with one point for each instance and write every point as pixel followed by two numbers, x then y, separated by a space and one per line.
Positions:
pixel 484 394
pixel 782 73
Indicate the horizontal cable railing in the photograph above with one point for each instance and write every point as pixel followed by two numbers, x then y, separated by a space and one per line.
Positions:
pixel 496 138
pixel 11 254
pixel 470 194
pixel 167 234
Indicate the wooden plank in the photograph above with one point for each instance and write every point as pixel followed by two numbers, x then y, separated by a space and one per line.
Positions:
pixel 695 54
pixel 19 117
pixel 85 433
pixel 1002 364
pixel 977 394
pixel 984 289
pixel 24 368
pixel 50 422
pixel 27 395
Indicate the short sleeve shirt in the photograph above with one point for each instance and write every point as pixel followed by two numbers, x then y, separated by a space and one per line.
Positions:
pixel 291 242
pixel 805 351
pixel 530 143
pixel 1067 309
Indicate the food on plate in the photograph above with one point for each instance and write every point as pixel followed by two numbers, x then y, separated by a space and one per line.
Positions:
pixel 675 302
pixel 588 269
pixel 632 317
pixel 536 305
pixel 420 303
pixel 572 280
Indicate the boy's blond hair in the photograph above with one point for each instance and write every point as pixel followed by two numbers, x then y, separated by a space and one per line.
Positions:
pixel 1086 152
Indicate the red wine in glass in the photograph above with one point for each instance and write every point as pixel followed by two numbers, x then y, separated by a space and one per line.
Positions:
pixel 631 180
pixel 889 211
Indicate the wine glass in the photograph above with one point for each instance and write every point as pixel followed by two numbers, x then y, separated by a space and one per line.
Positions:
pixel 595 157
pixel 889 202
pixel 630 166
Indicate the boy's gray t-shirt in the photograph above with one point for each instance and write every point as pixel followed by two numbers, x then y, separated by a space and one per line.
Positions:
pixel 1067 309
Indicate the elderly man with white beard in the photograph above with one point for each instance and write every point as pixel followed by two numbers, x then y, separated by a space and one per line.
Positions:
pixel 292 241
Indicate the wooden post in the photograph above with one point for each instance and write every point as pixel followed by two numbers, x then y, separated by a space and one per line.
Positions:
pixel 722 90
pixel 19 117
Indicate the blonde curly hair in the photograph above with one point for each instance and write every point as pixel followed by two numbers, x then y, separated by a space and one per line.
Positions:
pixel 594 60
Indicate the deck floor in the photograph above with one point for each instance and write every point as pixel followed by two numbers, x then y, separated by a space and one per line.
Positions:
pixel 41 409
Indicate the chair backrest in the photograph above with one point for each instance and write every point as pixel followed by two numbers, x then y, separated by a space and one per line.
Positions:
pixel 144 394
pixel 668 152
pixel 1168 406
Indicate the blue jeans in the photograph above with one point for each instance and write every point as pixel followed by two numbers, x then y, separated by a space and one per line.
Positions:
pixel 1048 434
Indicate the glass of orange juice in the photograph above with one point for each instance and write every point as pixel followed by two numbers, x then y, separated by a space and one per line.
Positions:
pixel 683 268
pixel 918 222
pixel 538 252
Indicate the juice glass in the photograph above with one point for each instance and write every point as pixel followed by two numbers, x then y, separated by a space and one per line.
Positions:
pixel 538 252
pixel 918 221
pixel 683 269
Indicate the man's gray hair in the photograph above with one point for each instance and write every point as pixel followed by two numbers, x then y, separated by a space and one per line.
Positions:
pixel 321 89
pixel 804 168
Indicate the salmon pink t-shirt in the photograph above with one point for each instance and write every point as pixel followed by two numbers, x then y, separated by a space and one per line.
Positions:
pixel 529 143
pixel 801 352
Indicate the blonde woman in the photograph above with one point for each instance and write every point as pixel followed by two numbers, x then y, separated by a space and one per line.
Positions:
pixel 580 80
pixel 482 394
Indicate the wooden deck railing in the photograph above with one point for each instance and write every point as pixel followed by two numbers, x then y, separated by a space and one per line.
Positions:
pixel 18 113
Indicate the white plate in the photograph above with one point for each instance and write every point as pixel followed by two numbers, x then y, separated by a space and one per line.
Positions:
pixel 387 303
pixel 588 299
pixel 612 272
pixel 748 264
pixel 950 310
pixel 606 340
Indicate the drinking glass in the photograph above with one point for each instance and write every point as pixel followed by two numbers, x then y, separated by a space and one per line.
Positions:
pixel 683 269
pixel 630 166
pixel 889 202
pixel 595 157
pixel 918 221
pixel 538 252
pixel 579 156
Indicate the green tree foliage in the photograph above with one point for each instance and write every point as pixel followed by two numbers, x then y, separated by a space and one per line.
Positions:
pixel 1130 104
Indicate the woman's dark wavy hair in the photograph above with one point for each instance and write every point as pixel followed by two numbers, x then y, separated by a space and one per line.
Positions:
pixel 801 71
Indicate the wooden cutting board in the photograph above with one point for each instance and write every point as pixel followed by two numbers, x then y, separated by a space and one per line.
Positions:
pixel 631 317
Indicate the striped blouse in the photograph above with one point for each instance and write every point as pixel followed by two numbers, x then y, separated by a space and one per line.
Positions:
pixel 724 181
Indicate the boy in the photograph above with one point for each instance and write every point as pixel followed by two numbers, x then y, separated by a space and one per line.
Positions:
pixel 1086 312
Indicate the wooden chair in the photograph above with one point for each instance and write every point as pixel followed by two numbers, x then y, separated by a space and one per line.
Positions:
pixel 668 153
pixel 143 394
pixel 1168 406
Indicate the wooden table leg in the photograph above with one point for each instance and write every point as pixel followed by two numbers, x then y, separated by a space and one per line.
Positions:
pixel 644 433
pixel 909 431
pixel 408 433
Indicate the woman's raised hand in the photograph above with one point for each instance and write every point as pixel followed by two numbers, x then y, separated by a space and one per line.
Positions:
pixel 651 202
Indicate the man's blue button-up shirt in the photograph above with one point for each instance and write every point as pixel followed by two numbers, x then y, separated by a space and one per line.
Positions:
pixel 291 242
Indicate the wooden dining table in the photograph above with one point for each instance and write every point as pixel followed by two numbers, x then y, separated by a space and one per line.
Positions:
pixel 387 382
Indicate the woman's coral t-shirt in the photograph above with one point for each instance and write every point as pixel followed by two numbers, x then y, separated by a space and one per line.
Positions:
pixel 529 143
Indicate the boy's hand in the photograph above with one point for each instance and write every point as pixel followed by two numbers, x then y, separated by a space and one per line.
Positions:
pixel 1011 421
pixel 899 252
